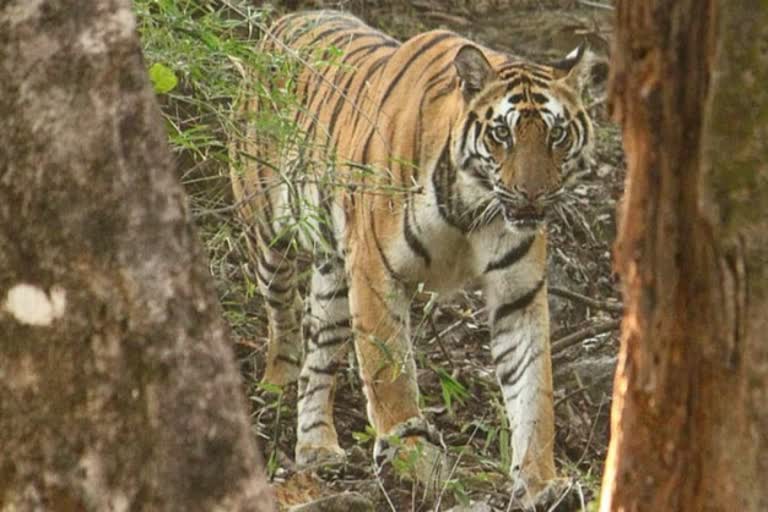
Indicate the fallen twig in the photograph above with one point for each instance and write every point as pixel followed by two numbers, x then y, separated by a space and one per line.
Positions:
pixel 575 337
pixel 604 305
pixel 438 337
pixel 597 5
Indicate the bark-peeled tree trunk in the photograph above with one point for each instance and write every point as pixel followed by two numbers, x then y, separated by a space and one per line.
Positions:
pixel 690 416
pixel 118 390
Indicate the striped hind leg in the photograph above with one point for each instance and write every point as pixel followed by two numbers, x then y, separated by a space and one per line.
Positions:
pixel 275 269
pixel 328 335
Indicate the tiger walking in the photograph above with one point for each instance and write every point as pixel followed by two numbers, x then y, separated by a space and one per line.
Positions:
pixel 433 163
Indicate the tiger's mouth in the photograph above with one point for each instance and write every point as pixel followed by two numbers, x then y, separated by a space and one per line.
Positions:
pixel 526 217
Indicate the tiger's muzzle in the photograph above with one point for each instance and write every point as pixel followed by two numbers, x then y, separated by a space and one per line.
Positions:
pixel 529 216
pixel 520 210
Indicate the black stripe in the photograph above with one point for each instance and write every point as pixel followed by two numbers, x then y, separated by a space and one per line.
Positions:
pixel 416 54
pixel 443 179
pixel 449 87
pixel 383 256
pixel 381 61
pixel 516 376
pixel 413 241
pixel 514 83
pixel 317 424
pixel 339 324
pixel 438 77
pixel 328 370
pixel 323 34
pixel 413 431
pixel 282 24
pixel 521 302
pixel 517 81
pixel 369 49
pixel 506 352
pixel 330 342
pixel 343 97
pixel 327 266
pixel 330 90
pixel 512 256
pixel 541 76
pixel 340 293
pixel 272 269
pixel 287 359
pixel 314 390
pixel 504 377
pixel 271 284
pixel 277 304
pixel 314 408
pixel 471 118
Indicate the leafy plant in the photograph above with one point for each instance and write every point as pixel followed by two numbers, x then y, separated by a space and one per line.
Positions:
pixel 452 389
pixel 197 53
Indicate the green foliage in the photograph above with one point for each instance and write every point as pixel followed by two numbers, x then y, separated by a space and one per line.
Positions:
pixel 452 389
pixel 163 78
pixel 197 53
pixel 365 437
pixel 204 46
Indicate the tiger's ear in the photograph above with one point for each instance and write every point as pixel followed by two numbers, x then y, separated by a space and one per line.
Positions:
pixel 474 70
pixel 574 68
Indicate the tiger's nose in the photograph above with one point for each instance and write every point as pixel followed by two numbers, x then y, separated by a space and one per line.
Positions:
pixel 529 194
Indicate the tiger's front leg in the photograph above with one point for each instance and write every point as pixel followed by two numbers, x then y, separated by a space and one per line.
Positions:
pixel 380 314
pixel 516 291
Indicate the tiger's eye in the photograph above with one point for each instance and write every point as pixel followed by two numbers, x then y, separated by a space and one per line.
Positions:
pixel 557 133
pixel 501 133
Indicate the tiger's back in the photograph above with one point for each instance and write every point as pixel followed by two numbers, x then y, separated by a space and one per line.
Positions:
pixel 430 162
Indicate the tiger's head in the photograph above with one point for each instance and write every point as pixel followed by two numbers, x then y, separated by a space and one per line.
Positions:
pixel 523 135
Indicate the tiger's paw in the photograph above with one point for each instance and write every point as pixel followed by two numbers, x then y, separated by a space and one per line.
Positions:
pixel 320 456
pixel 281 373
pixel 558 495
pixel 415 451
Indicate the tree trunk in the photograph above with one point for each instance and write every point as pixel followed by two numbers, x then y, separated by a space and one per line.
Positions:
pixel 118 390
pixel 690 415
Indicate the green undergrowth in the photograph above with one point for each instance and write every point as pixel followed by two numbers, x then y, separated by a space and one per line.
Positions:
pixel 197 53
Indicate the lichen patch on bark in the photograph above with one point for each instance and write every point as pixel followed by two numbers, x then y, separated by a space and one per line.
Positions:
pixel 30 305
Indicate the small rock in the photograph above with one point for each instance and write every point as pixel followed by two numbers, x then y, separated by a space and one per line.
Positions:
pixel 605 170
pixel 348 502
pixel 472 507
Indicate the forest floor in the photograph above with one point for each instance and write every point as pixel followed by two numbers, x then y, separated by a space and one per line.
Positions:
pixel 460 394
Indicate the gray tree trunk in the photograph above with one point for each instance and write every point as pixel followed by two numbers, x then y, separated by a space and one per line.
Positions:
pixel 690 414
pixel 118 390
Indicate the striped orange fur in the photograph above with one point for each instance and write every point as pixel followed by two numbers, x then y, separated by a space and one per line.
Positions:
pixel 433 162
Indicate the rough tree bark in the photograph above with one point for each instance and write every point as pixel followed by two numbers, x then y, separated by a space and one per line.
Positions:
pixel 690 416
pixel 118 390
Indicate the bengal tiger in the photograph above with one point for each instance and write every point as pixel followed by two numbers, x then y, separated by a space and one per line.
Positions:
pixel 427 164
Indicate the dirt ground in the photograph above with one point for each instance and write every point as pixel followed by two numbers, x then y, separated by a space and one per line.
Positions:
pixel 452 339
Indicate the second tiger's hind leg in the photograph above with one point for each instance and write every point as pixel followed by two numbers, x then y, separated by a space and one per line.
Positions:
pixel 328 335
